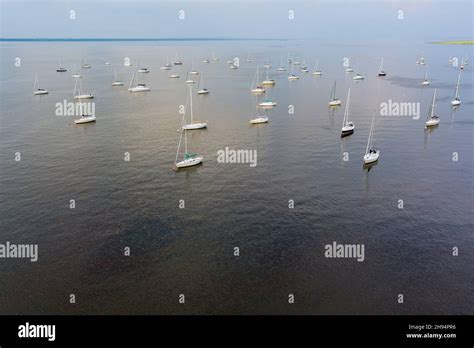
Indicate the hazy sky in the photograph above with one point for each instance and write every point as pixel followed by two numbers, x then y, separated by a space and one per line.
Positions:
pixel 342 21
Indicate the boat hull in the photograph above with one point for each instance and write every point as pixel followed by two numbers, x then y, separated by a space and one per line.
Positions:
pixel 203 91
pixel 40 92
pixel 139 89
pixel 259 120
pixel 189 162
pixel 117 83
pixel 335 103
pixel 193 126
pixel 455 102
pixel 84 96
pixel 85 119
pixel 371 157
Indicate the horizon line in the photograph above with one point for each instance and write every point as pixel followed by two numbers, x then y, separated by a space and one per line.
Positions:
pixel 58 39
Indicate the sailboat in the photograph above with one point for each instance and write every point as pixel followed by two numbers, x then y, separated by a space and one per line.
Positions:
pixel 381 71
pixel 349 69
pixel 257 89
pixel 143 71
pixel 85 65
pixel 140 87
pixel 268 103
pixel 76 75
pixel 116 81
pixel 84 117
pixel 317 72
pixel 456 101
pixel 267 81
pixel 259 120
pixel 432 119
pixel 347 126
pixel 371 153
pixel 189 159
pixel 177 61
pixel 193 71
pixel 358 77
pixel 200 89
pixel 188 79
pixel 425 81
pixel 292 76
pixel 267 65
pixel 61 69
pixel 193 125
pixel 36 90
pixel 173 75
pixel 79 94
pixel 167 65
pixel 334 101
pixel 281 68
pixel 304 68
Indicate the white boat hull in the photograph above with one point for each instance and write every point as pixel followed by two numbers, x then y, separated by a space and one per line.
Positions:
pixel 40 92
pixel 317 73
pixel 267 104
pixel 117 83
pixel 358 78
pixel 84 96
pixel 189 162
pixel 174 76
pixel 293 78
pixel 268 83
pixel 455 102
pixel 336 102
pixel 197 125
pixel 425 83
pixel 85 119
pixel 347 129
pixel 372 157
pixel 258 90
pixel 203 91
pixel 139 89
pixel 432 122
pixel 263 119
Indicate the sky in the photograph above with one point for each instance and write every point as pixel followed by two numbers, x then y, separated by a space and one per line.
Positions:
pixel 328 20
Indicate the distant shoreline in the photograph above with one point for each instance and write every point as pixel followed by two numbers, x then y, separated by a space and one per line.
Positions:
pixel 127 39
pixel 458 42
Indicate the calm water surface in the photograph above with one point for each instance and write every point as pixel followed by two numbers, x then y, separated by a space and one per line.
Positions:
pixel 300 156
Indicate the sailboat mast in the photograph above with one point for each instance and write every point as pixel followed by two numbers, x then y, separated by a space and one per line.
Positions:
pixel 457 85
pixel 433 104
pixel 36 83
pixel 369 141
pixel 381 65
pixel 133 78
pixel 191 104
pixel 346 111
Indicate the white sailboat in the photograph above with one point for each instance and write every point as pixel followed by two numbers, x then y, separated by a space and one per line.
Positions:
pixel 268 81
pixel 292 76
pixel 143 71
pixel 173 75
pixel 281 68
pixel 202 90
pixel 303 67
pixel 432 119
pixel 36 90
pixel 267 64
pixel 259 120
pixel 371 153
pixel 456 101
pixel 334 101
pixel 78 93
pixel 268 103
pixel 193 71
pixel 85 118
pixel 188 79
pixel 347 126
pixel 116 82
pixel 189 159
pixel 349 69
pixel 358 77
pixel 177 61
pixel 425 81
pixel 61 69
pixel 76 75
pixel 166 66
pixel 85 65
pixel 381 71
pixel 316 71
pixel 193 125
pixel 255 88
pixel 140 87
